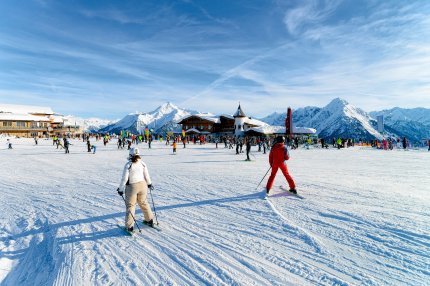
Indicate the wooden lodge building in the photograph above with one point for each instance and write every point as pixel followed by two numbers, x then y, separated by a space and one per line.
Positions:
pixel 34 121
pixel 238 125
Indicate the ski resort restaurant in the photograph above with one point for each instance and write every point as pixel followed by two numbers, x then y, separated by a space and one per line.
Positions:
pixel 238 125
pixel 34 121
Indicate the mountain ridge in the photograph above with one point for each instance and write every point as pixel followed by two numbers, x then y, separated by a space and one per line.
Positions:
pixel 337 119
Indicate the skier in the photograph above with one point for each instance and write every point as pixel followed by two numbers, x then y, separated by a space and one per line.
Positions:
pixel 88 145
pixel 66 145
pixel 405 143
pixel 135 182
pixel 35 140
pixel 248 148
pixel 9 144
pixel 174 146
pixel 277 159
pixel 339 143
pixel 94 148
pixel 429 145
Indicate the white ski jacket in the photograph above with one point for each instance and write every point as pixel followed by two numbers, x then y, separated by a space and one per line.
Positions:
pixel 134 173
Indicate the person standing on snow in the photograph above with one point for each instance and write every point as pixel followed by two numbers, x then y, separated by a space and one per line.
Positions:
pixel 9 144
pixel 135 182
pixel 174 146
pixel 277 159
pixel 404 143
pixel 88 145
pixel 248 148
pixel 66 145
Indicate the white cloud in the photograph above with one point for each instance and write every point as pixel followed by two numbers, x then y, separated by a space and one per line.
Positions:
pixel 311 12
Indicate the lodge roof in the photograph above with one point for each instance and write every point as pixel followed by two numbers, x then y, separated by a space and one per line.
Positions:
pixel 25 109
pixel 22 117
pixel 239 112
pixel 207 117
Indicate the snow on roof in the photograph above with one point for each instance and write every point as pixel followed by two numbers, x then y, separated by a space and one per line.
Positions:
pixel 57 119
pixel 208 117
pixel 192 130
pixel 227 116
pixel 255 122
pixel 268 129
pixel 22 117
pixel 25 109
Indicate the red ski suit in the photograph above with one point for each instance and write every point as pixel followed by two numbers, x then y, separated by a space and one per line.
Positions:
pixel 278 155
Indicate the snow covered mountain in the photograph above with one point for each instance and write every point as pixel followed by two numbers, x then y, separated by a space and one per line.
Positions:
pixel 88 124
pixel 162 119
pixel 337 119
pixel 414 123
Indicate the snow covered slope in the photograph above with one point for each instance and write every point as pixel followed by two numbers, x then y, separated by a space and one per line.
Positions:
pixel 359 222
pixel 337 119
pixel 411 123
pixel 88 124
pixel 163 118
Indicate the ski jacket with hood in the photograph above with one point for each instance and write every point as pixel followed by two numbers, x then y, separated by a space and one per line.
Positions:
pixel 135 173
pixel 278 154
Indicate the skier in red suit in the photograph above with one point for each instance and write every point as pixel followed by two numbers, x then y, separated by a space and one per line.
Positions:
pixel 277 159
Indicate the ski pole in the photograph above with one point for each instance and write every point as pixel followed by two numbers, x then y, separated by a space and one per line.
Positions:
pixel 263 178
pixel 132 215
pixel 153 205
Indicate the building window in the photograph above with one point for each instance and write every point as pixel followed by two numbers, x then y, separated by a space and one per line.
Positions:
pixel 20 124
pixel 7 123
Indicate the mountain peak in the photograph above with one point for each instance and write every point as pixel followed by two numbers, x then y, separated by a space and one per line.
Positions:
pixel 166 108
pixel 338 102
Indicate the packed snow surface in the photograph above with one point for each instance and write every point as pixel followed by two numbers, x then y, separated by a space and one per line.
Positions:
pixel 362 218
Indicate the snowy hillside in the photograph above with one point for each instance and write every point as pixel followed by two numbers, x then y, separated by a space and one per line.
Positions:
pixel 358 223
pixel 411 123
pixel 88 124
pixel 337 119
pixel 163 118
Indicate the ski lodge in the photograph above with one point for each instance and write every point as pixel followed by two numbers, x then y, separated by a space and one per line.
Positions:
pixel 238 125
pixel 34 121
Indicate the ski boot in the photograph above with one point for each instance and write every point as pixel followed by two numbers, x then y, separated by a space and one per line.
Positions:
pixel 294 191
pixel 149 223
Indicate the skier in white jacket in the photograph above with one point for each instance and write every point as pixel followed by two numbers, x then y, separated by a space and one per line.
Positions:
pixel 135 183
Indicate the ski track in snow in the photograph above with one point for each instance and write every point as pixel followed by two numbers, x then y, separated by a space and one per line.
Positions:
pixel 355 226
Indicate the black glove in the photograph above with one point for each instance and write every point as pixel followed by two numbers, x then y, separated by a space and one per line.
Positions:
pixel 151 187
pixel 119 192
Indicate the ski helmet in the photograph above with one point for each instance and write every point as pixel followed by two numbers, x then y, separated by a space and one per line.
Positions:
pixel 280 139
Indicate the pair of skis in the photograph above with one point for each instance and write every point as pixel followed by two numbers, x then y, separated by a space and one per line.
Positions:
pixel 131 233
pixel 266 196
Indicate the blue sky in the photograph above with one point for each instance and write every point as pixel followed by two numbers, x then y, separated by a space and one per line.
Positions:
pixel 110 58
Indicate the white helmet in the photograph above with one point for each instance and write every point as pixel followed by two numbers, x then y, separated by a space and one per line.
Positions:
pixel 134 152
